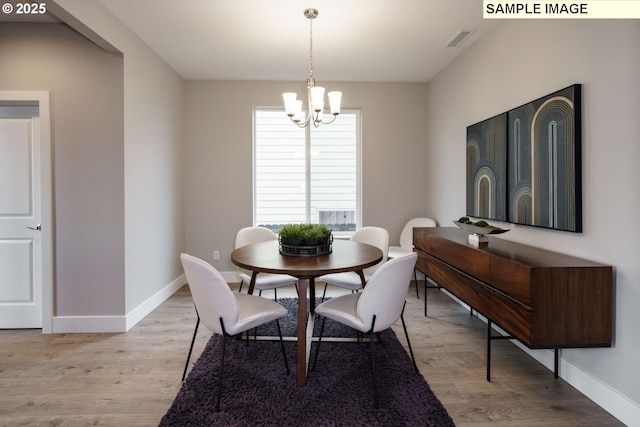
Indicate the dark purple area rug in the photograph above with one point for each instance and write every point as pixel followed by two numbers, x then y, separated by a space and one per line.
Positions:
pixel 257 392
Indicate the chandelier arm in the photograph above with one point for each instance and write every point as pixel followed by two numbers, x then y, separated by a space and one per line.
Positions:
pixel 333 118
pixel 300 124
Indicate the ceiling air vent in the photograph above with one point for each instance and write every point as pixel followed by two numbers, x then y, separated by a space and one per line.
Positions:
pixel 460 37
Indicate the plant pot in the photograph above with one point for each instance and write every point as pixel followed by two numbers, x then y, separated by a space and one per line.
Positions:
pixel 306 251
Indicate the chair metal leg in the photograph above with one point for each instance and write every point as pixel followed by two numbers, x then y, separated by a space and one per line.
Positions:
pixel 324 293
pixel 241 283
pixel 315 357
pixel 312 291
pixel 284 353
pixel 415 279
pixel 406 334
pixel 224 342
pixel 193 340
pixel 373 363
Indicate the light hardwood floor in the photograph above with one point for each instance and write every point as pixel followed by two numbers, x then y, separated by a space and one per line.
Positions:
pixel 130 379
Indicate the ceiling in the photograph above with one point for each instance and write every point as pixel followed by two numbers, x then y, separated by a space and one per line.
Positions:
pixel 353 40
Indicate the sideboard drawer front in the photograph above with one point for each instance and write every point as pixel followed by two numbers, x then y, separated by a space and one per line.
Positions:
pixel 515 318
pixel 462 286
pixel 472 261
pixel 512 278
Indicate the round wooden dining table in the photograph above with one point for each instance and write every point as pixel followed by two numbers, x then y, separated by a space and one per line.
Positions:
pixel 265 257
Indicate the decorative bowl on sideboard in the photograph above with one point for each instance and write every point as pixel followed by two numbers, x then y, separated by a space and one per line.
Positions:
pixel 478 233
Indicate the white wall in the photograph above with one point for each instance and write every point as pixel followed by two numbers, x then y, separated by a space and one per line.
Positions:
pixel 154 221
pixel 218 137
pixel 154 209
pixel 519 61
pixel 87 155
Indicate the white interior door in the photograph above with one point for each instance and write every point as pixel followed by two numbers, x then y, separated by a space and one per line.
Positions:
pixel 20 229
pixel 24 248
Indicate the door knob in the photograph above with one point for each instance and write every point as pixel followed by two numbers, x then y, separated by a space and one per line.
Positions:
pixel 37 228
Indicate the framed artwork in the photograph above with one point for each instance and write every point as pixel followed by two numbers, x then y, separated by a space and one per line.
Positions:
pixel 544 161
pixel 525 166
pixel 487 168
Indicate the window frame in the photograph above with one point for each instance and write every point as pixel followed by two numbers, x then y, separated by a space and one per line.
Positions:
pixel 307 132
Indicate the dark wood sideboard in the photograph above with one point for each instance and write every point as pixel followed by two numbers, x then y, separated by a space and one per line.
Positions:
pixel 542 298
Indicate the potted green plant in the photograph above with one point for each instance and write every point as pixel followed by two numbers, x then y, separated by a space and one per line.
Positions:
pixel 305 239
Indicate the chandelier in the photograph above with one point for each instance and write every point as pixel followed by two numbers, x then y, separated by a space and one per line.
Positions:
pixel 293 106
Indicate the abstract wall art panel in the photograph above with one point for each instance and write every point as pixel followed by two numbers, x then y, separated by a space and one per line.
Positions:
pixel 525 166
pixel 486 168
pixel 544 162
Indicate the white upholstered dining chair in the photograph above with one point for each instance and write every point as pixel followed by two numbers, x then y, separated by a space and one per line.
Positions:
pixel 225 312
pixel 250 235
pixel 374 236
pixel 406 242
pixel 376 308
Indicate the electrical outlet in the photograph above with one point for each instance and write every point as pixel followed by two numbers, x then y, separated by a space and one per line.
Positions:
pixel 216 255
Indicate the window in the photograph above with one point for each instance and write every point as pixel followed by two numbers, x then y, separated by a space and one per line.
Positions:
pixel 309 175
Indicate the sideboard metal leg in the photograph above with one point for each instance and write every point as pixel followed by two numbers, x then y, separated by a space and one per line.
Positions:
pixel 489 350
pixel 425 295
pixel 555 363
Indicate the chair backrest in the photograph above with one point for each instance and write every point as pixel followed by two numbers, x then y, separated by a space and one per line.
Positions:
pixel 211 294
pixel 374 236
pixel 386 291
pixel 250 235
pixel 406 237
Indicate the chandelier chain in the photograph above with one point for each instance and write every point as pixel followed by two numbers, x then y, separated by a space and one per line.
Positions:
pixel 311 48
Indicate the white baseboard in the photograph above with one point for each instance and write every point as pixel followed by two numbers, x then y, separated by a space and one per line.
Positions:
pixel 88 324
pixel 115 324
pixel 141 311
pixel 231 276
pixel 612 401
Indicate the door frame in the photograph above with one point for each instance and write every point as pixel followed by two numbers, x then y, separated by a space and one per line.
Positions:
pixel 43 99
